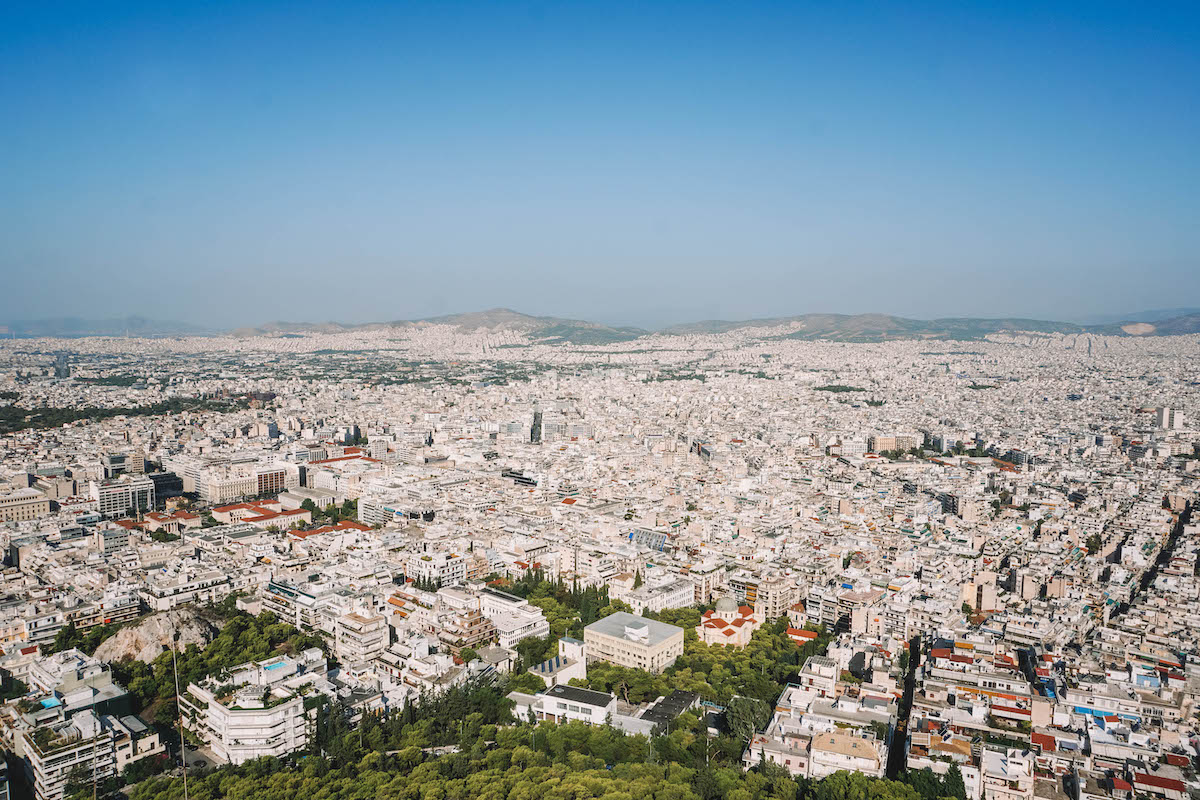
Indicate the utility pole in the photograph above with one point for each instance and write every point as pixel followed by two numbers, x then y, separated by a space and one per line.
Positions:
pixel 179 711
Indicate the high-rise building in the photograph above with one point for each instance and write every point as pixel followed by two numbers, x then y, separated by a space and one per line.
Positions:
pixel 1168 419
pixel 121 495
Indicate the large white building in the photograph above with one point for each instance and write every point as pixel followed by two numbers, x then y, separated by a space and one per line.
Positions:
pixel 124 494
pixel 23 504
pixel 53 752
pixel 264 708
pixel 628 640
pixel 565 704
pixel 1168 419
pixel 440 568
pixel 678 593
pixel 514 617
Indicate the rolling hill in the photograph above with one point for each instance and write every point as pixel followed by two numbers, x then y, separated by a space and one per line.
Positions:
pixel 885 327
pixel 549 329
pixel 558 330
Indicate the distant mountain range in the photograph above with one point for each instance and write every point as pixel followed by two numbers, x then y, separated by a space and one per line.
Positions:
pixel 834 327
pixel 549 329
pixel 552 330
pixel 884 327
pixel 1154 315
pixel 74 327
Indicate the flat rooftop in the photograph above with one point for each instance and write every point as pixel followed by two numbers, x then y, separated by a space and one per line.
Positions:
pixel 630 627
pixel 574 694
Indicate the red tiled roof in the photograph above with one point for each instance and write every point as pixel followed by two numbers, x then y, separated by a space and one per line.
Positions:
pixel 1010 710
pixel 800 633
pixel 344 525
pixel 1158 782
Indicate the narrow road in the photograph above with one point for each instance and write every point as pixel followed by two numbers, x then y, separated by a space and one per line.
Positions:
pixel 898 750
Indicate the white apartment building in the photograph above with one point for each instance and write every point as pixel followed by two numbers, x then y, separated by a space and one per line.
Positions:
pixel 297 605
pixel 771 594
pixel 360 638
pixel 678 593
pixel 184 584
pixel 133 740
pixel 1007 775
pixel 268 713
pixel 1168 419
pixel 444 569
pixel 514 617
pixel 839 750
pixel 54 751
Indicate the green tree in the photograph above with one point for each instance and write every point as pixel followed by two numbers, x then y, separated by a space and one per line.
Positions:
pixel 526 682
pixel 66 638
pixel 953 785
pixel 746 716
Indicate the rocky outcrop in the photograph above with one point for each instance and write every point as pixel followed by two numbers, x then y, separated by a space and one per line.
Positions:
pixel 145 640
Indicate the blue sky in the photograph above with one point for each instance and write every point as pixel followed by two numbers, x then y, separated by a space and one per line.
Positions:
pixel 638 163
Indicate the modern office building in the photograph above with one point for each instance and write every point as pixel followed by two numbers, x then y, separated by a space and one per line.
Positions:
pixel 125 494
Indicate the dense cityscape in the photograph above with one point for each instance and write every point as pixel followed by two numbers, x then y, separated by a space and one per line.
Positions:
pixel 452 561
pixel 599 401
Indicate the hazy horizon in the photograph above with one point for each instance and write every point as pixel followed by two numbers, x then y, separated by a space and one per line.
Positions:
pixel 233 164
pixel 1100 319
